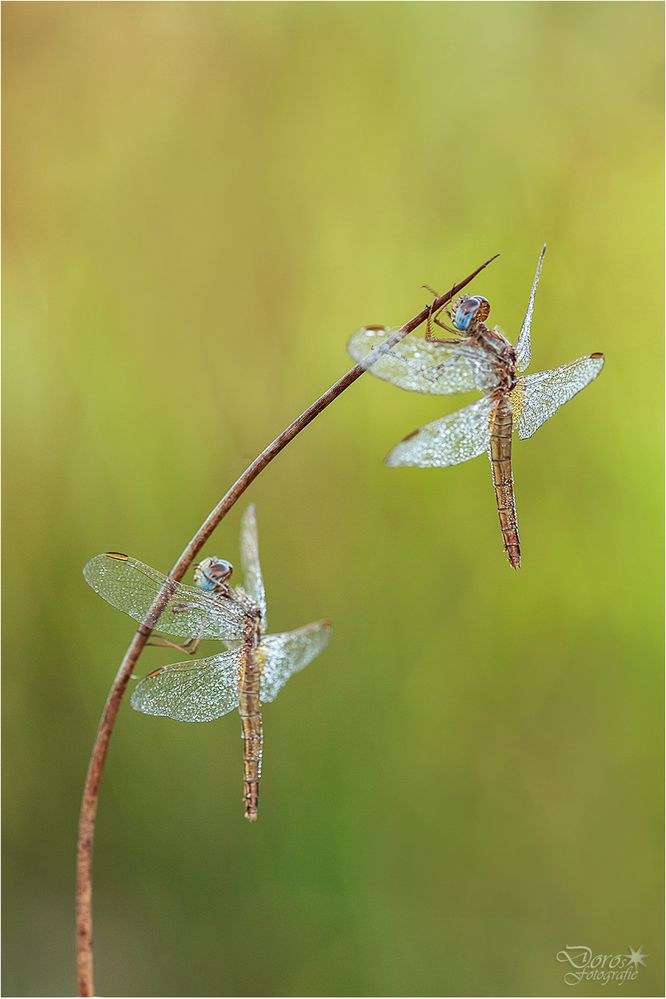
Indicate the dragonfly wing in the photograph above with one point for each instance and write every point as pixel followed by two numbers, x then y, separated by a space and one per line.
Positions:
pixel 253 579
pixel 453 439
pixel 132 587
pixel 288 653
pixel 536 397
pixel 196 691
pixel 421 366
pixel 523 343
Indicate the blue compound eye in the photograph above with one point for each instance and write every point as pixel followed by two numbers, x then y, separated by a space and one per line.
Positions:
pixel 210 573
pixel 467 310
pixel 464 313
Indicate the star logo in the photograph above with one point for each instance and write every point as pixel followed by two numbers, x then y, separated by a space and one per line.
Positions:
pixel 636 957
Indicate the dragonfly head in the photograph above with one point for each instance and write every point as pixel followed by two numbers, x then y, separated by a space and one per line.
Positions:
pixel 212 573
pixel 471 307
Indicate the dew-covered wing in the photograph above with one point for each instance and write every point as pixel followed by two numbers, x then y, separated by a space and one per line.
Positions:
pixel 252 577
pixel 453 439
pixel 536 397
pixel 524 342
pixel 198 691
pixel 288 653
pixel 421 366
pixel 133 587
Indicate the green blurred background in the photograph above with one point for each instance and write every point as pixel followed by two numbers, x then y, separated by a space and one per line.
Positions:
pixel 201 203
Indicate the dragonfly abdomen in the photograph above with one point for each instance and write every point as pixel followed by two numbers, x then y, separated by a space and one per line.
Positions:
pixel 249 709
pixel 501 430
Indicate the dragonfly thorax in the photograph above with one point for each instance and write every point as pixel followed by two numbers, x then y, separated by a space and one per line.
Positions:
pixel 506 369
pixel 212 573
pixel 494 341
pixel 471 309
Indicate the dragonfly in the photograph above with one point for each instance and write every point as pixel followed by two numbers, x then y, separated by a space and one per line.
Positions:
pixel 479 358
pixel 250 672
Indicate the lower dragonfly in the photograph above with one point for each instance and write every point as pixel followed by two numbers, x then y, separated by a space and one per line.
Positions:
pixel 478 358
pixel 252 670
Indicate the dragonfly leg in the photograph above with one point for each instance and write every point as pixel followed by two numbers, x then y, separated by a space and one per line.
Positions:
pixel 436 339
pixel 428 334
pixel 445 327
pixel 189 647
pixel 435 295
pixel 432 318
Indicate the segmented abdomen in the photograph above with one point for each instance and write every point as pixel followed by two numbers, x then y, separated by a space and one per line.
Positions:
pixel 501 429
pixel 249 709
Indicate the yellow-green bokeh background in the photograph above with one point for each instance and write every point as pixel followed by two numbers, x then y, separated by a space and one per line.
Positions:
pixel 201 203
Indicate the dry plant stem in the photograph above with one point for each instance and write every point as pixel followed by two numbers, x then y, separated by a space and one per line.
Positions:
pixel 84 943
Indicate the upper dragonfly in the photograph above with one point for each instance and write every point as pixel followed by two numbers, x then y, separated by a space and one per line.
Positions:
pixel 254 668
pixel 478 358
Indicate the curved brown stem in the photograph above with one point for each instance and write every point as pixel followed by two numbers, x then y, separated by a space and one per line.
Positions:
pixel 84 942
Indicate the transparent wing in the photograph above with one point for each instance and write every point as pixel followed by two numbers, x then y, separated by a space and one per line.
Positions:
pixel 196 691
pixel 288 653
pixel 421 366
pixel 524 343
pixel 132 587
pixel 455 438
pixel 536 397
pixel 253 580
